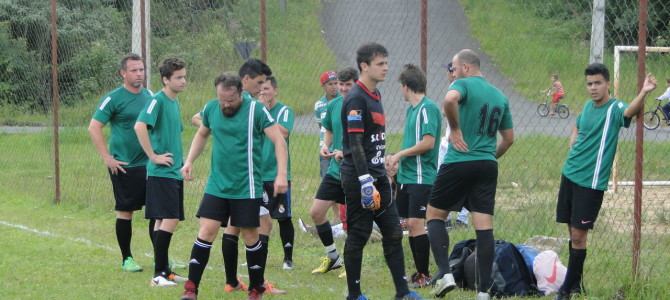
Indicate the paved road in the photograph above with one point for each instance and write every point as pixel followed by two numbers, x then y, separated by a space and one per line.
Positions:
pixel 346 24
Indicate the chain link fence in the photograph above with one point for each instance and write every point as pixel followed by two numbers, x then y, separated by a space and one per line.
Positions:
pixel 521 45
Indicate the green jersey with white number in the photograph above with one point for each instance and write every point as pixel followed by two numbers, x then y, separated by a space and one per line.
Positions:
pixel 590 159
pixel 333 123
pixel 421 119
pixel 237 145
pixel 483 110
pixel 283 116
pixel 163 119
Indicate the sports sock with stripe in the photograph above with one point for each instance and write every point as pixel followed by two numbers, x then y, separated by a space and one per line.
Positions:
pixel 199 259
pixel 256 255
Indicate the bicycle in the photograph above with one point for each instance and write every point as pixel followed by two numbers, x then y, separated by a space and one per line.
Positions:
pixel 652 118
pixel 561 109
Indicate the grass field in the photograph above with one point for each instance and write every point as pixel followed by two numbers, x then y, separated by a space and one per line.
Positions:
pixel 78 257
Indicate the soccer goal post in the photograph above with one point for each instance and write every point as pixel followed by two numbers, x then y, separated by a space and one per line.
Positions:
pixel 617 60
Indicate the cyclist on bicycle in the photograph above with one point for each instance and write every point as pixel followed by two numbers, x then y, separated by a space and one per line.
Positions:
pixel 557 93
pixel 666 107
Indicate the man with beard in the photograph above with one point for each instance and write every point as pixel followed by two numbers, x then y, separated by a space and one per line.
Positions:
pixel 234 189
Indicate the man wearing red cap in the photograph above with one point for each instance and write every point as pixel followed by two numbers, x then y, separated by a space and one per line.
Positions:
pixel 328 82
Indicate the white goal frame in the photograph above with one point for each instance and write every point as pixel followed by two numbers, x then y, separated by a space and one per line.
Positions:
pixel 617 58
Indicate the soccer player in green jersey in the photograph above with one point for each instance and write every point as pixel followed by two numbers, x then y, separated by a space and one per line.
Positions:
pixel 330 190
pixel 328 80
pixel 125 160
pixel 418 166
pixel 253 74
pixel 587 169
pixel 280 205
pixel 158 129
pixel 233 194
pixel 476 112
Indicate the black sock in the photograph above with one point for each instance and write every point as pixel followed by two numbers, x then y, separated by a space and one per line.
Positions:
pixel 229 250
pixel 439 243
pixel 152 233
pixel 325 233
pixel 265 242
pixel 161 251
pixel 287 235
pixel 256 255
pixel 485 252
pixel 411 247
pixel 421 253
pixel 573 277
pixel 124 231
pixel 199 259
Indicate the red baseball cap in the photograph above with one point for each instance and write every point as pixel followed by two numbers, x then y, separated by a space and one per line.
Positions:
pixel 327 76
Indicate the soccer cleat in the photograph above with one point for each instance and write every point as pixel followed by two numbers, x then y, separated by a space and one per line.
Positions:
pixel 483 296
pixel 176 277
pixel 129 265
pixel 361 297
pixel 419 280
pixel 412 295
pixel 443 285
pixel 255 295
pixel 241 286
pixel 288 265
pixel 162 281
pixel 272 290
pixel 328 265
pixel 190 291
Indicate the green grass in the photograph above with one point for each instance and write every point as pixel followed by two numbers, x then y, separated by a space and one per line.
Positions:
pixel 64 268
pixel 528 49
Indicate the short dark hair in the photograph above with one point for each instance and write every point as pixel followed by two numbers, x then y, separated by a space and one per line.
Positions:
pixel 367 52
pixel 272 80
pixel 413 78
pixel 229 79
pixel 597 68
pixel 468 56
pixel 130 56
pixel 347 74
pixel 169 66
pixel 254 67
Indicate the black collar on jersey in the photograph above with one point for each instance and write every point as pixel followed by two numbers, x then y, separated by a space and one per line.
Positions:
pixel 374 95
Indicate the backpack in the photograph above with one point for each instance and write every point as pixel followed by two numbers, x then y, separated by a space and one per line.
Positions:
pixel 529 253
pixel 510 275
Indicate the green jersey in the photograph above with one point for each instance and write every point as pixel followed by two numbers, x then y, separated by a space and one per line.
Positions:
pixel 283 116
pixel 235 170
pixel 483 110
pixel 333 123
pixel 590 159
pixel 163 120
pixel 319 113
pixel 120 108
pixel 421 119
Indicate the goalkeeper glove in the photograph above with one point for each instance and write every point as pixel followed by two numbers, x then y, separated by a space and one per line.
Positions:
pixel 370 198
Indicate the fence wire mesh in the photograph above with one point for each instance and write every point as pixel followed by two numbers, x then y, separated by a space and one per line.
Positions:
pixel 522 45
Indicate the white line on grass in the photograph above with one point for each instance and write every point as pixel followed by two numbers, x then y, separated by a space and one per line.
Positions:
pixel 78 240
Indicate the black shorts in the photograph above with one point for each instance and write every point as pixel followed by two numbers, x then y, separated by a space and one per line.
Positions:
pixel 412 200
pixel 578 206
pixel 470 184
pixel 330 189
pixel 130 188
pixel 242 212
pixel 165 198
pixel 279 206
